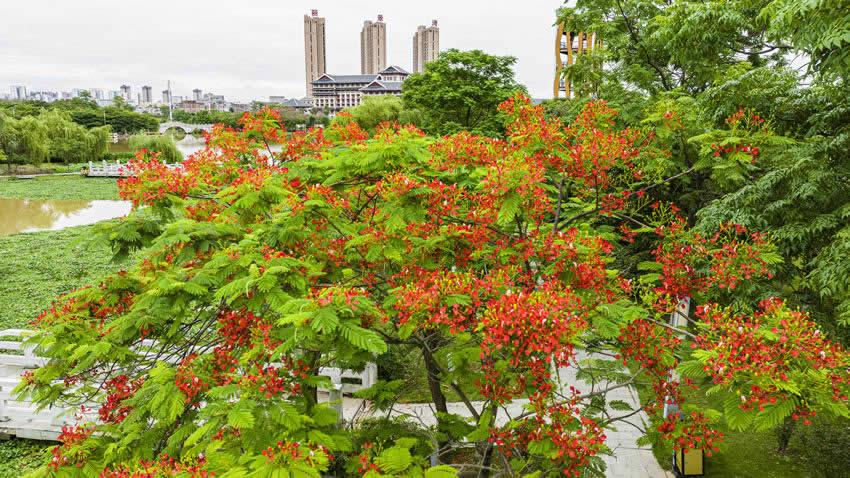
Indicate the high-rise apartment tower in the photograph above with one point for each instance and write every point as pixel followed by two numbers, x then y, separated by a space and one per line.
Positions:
pixel 426 46
pixel 196 94
pixel 373 46
pixel 126 92
pixel 19 92
pixel 314 49
pixel 147 95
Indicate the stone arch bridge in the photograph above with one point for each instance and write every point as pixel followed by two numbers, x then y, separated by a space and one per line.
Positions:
pixel 186 127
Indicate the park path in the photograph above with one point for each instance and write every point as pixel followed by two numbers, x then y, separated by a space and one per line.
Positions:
pixel 29 176
pixel 628 459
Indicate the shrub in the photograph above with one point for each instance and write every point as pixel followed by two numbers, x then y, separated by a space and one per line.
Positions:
pixel 163 145
pixel 122 156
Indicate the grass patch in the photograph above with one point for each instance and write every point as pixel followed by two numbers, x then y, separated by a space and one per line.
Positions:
pixel 71 187
pixel 19 457
pixel 38 266
pixel 748 454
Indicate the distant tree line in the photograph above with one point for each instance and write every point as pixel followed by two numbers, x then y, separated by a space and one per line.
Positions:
pixel 120 118
pixel 290 119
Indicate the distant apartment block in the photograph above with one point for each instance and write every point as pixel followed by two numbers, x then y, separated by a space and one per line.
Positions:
pixel 196 94
pixel 337 92
pixel 126 92
pixel 147 95
pixel 191 106
pixel 18 93
pixel 426 46
pixel 211 98
pixel 96 93
pixel 314 49
pixel 166 97
pixel 240 107
pixel 373 47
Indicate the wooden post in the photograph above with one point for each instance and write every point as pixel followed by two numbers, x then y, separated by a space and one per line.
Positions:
pixel 679 318
pixel 558 64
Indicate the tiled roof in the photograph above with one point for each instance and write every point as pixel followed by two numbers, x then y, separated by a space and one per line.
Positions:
pixel 343 79
pixel 394 69
pixel 293 103
pixel 382 86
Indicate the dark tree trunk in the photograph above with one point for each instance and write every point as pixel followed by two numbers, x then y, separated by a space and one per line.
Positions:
pixel 433 372
pixel 784 432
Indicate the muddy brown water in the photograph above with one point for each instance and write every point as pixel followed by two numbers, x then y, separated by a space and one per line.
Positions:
pixel 30 215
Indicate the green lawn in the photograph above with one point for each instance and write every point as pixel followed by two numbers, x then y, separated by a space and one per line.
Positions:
pixel 748 454
pixel 38 266
pixel 59 187
pixel 19 457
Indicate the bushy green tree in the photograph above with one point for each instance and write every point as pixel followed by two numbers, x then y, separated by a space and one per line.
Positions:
pixel 461 90
pixel 664 68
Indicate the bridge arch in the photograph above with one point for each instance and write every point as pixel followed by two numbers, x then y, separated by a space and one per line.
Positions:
pixel 186 127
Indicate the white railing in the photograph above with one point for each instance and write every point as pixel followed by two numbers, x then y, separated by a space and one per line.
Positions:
pixel 117 169
pixel 22 419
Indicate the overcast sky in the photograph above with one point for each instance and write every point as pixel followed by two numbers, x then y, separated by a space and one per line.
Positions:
pixel 248 49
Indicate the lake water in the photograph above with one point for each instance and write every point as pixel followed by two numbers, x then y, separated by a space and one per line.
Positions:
pixel 188 145
pixel 29 215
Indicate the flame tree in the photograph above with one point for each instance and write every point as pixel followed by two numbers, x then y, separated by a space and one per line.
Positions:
pixel 494 258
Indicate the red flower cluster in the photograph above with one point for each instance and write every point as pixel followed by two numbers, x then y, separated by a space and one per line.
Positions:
pixel 118 390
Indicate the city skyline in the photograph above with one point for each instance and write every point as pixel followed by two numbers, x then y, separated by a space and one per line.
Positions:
pixel 262 53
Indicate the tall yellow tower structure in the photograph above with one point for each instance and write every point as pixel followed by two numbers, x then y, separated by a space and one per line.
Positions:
pixel 568 46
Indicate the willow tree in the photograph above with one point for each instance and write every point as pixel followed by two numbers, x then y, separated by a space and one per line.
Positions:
pixel 71 142
pixel 24 140
pixel 164 145
pixel 51 135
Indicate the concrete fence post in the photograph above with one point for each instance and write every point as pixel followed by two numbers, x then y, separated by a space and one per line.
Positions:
pixel 335 401
pixel 4 415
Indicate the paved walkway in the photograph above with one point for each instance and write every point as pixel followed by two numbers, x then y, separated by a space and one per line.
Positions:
pixel 628 459
pixel 37 175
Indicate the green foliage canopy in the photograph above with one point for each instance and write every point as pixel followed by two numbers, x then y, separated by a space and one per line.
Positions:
pixel 461 90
